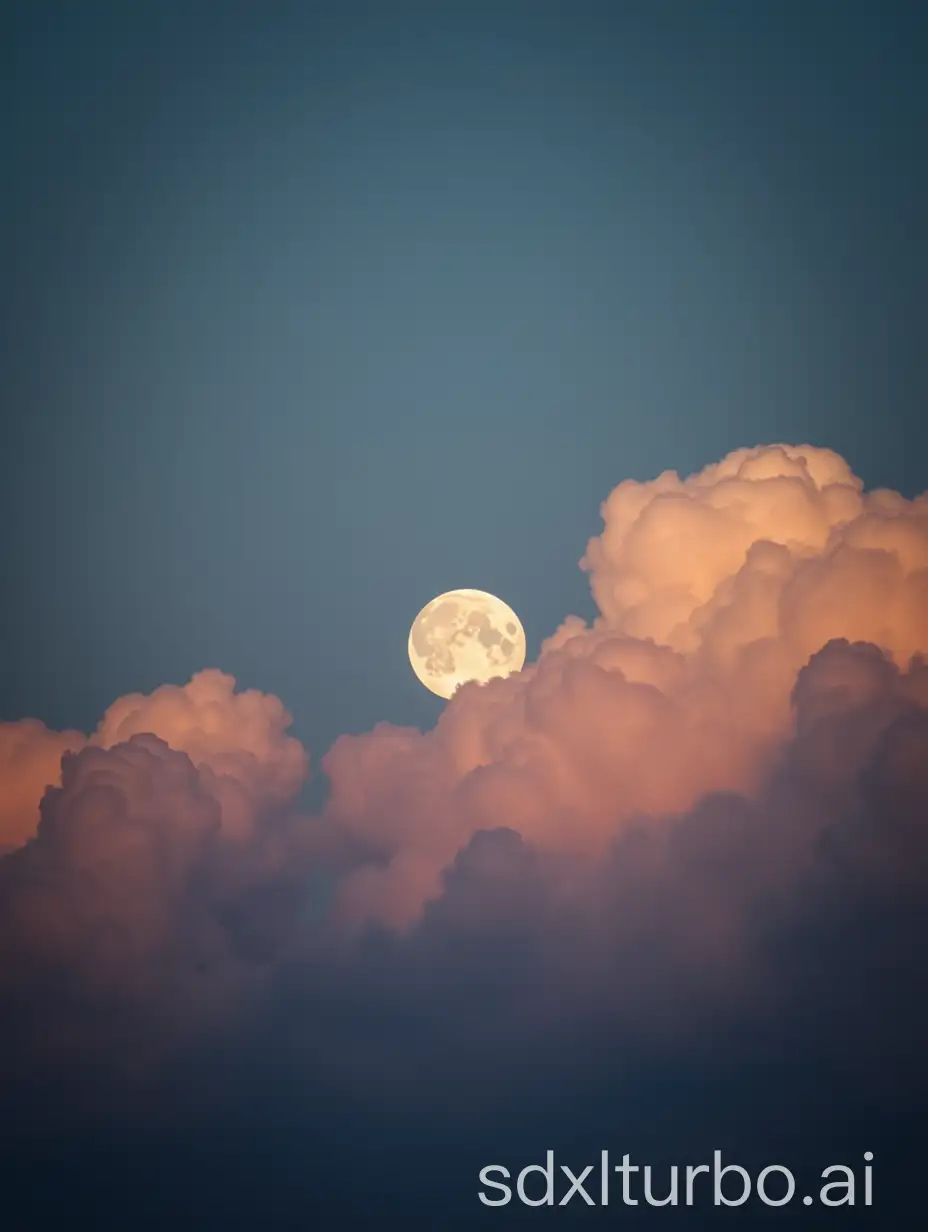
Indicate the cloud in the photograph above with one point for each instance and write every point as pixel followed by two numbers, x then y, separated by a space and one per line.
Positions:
pixel 30 760
pixel 694 828
pixel 239 741
pixel 101 913
pixel 779 542
pixel 713 591
pixel 669 545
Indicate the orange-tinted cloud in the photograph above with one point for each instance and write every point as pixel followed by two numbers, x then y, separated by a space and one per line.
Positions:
pixel 642 844
pixel 30 760
pixel 239 740
pixel 713 590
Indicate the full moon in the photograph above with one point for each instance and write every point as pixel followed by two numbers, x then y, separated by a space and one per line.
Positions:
pixel 465 635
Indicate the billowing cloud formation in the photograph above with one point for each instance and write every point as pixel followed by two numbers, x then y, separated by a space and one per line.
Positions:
pixel 713 592
pixel 239 741
pixel 105 890
pixel 777 542
pixel 30 760
pixel 706 810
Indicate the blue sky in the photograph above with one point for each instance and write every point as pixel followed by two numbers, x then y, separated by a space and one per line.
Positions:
pixel 313 315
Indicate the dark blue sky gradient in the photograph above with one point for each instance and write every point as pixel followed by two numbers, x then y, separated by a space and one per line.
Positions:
pixel 314 311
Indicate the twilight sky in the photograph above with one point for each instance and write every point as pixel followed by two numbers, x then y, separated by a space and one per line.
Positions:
pixel 315 311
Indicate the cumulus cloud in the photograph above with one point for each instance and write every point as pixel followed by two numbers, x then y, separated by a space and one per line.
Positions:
pixel 673 817
pixel 785 916
pixel 777 541
pixel 30 760
pixel 99 913
pixel 238 740
pixel 713 592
